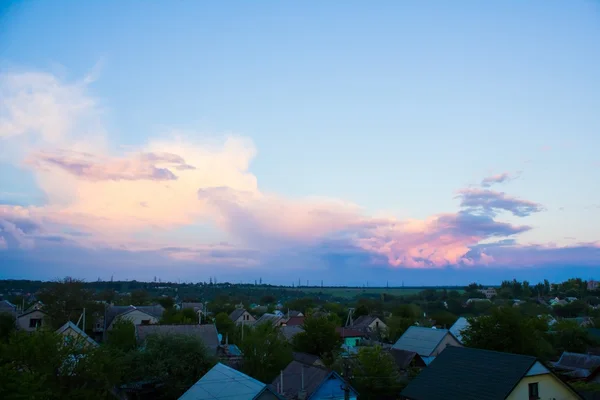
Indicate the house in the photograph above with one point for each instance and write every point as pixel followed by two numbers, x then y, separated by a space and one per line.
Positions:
pixel 197 307
pixel 426 342
pixel 240 315
pixel 593 285
pixel 290 331
pixel 279 313
pixel 488 293
pixel 230 355
pixel 405 359
pixel 458 327
pixel 38 305
pixel 310 382
pixel 223 382
pixel 294 313
pixel 6 307
pixel 295 321
pixel 477 300
pixel 351 337
pixel 268 318
pixel 72 332
pixel 576 365
pixel 464 373
pixel 138 315
pixel 369 323
pixel 308 359
pixel 32 320
pixel 206 333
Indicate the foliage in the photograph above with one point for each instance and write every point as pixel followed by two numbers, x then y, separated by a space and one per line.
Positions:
pixel 444 318
pixel 175 362
pixel 7 326
pixel 303 305
pixel 186 316
pixel 319 338
pixel 573 309
pixel 166 302
pixel 569 336
pixel 140 297
pixel 122 335
pixel 41 365
pixel 507 330
pixel 374 374
pixel 397 326
pixel 266 352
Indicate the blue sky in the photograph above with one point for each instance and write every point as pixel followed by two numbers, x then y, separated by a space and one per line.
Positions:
pixel 370 125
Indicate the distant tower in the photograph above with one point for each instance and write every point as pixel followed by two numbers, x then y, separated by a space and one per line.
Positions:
pixel 321 282
pixel 260 281
pixel 298 282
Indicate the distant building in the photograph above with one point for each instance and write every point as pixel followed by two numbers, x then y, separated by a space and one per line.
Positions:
pixel 593 285
pixel 138 315
pixel 6 307
pixel 489 292
pixel 369 324
pixel 240 315
pixel 351 337
pixel 72 333
pixel 272 319
pixel 32 320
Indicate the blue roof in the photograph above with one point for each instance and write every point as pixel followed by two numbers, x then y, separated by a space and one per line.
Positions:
pixel 222 382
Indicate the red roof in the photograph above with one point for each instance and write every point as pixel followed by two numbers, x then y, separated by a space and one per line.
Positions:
pixel 294 321
pixel 349 332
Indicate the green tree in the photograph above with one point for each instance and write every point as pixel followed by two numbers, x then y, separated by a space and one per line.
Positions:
pixel 140 297
pixel 172 362
pixel 397 326
pixel 166 302
pixel 64 300
pixel 7 326
pixel 375 374
pixel 266 352
pixel 444 318
pixel 122 335
pixel 569 336
pixel 224 323
pixel 319 338
pixel 507 330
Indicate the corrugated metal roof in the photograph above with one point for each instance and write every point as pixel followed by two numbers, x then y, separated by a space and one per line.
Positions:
pixel 460 325
pixel 222 382
pixel 422 341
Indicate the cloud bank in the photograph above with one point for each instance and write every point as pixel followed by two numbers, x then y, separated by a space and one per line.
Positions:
pixel 136 202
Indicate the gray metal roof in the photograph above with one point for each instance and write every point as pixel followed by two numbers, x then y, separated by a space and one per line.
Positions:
pixel 75 328
pixel 235 314
pixel 460 325
pixel 114 311
pixel 422 341
pixel 268 318
pixel 290 331
pixel 222 382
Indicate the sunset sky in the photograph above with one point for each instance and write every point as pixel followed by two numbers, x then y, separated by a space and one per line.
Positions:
pixel 428 142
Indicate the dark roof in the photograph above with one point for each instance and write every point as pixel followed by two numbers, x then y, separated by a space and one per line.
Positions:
pixel 292 379
pixel 294 313
pixel 114 311
pixel 306 358
pixel 349 332
pixel 194 306
pixel 8 307
pixel 404 358
pixel 290 331
pixel 207 333
pixel 469 374
pixel 363 321
pixel 421 340
pixel 268 318
pixel 235 314
pixel 295 321
pixel 584 363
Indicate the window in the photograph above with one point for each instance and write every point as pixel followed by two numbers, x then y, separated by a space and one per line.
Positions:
pixel 533 391
pixel 145 322
pixel 35 322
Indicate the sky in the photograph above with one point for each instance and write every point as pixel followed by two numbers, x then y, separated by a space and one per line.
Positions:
pixel 424 143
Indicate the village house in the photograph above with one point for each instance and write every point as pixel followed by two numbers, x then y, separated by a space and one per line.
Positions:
pixel 239 315
pixel 575 366
pixel 593 285
pixel 351 337
pixel 369 324
pixel 6 307
pixel 294 321
pixel 461 373
pixel 223 382
pixel 206 333
pixel 304 381
pixel 488 293
pixel 406 359
pixel 289 332
pixel 426 342
pixel 32 320
pixel 72 333
pixel 138 315
pixel 294 313
pixel 230 355
pixel 272 319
